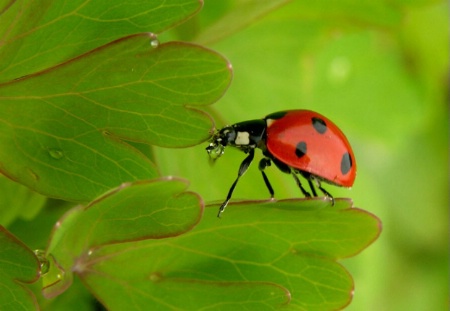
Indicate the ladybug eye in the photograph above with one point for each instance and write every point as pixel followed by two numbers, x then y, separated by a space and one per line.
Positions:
pixel 227 135
pixel 231 136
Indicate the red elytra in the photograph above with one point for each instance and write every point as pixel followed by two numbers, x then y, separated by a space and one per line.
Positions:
pixel 298 142
pixel 328 153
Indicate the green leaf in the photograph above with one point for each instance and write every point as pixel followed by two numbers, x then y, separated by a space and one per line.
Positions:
pixel 242 14
pixel 18 265
pixel 78 298
pixel 180 294
pixel 40 34
pixel 18 201
pixel 272 253
pixel 62 130
pixel 228 17
pixel 152 209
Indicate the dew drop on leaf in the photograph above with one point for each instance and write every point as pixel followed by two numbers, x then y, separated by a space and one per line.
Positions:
pixel 55 153
pixel 155 277
pixel 43 261
pixel 154 42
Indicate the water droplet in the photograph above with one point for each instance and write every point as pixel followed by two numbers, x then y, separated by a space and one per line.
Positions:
pixel 55 153
pixel 154 42
pixel 43 261
pixel 155 277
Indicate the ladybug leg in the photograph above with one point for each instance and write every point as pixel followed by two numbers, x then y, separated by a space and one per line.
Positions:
pixel 313 189
pixel 242 169
pixel 299 184
pixel 265 162
pixel 319 185
pixel 288 170
pixel 326 193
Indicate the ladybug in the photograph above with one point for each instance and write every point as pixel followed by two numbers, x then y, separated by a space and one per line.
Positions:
pixel 298 142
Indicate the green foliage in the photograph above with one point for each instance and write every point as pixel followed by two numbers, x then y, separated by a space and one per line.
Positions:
pixel 138 211
pixel 92 95
pixel 37 36
pixel 17 265
pixel 290 250
pixel 133 93
pixel 18 201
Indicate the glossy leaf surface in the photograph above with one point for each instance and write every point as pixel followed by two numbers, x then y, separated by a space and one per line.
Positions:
pixel 17 265
pixel 63 130
pixel 273 254
pixel 40 34
pixel 153 209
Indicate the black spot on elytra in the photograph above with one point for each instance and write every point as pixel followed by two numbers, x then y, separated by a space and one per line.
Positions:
pixel 319 125
pixel 346 163
pixel 300 149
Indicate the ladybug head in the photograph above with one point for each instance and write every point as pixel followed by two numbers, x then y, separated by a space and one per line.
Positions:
pixel 220 140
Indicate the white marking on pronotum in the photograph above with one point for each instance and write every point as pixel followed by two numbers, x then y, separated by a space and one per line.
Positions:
pixel 242 138
pixel 269 122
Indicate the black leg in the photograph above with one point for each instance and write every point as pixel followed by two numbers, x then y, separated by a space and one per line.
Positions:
pixel 311 181
pixel 313 189
pixel 242 169
pixel 326 193
pixel 299 184
pixel 262 165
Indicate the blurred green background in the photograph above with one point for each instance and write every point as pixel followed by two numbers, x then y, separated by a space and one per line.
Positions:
pixel 378 69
